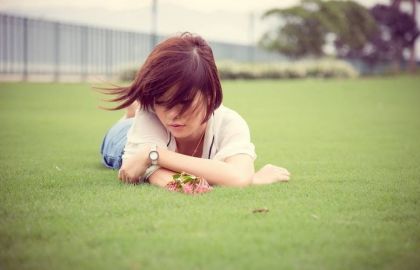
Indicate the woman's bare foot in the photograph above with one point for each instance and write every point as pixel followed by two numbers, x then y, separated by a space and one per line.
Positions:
pixel 131 110
pixel 270 174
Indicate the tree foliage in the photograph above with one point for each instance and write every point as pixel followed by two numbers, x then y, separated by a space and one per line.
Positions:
pixel 300 34
pixel 303 29
pixel 396 32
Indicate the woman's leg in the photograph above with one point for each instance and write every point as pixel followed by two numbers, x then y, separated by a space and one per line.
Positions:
pixel 114 141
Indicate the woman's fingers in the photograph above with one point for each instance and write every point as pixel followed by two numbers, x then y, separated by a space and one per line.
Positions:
pixel 281 170
pixel 271 174
pixel 283 177
pixel 123 176
pixel 284 170
pixel 271 167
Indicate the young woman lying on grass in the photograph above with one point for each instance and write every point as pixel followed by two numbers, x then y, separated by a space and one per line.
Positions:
pixel 175 122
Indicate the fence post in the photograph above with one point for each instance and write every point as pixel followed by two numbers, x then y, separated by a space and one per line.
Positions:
pixel 25 49
pixel 108 53
pixel 153 36
pixel 56 51
pixel 83 52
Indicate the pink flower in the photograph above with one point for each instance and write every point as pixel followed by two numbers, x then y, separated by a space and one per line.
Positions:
pixel 188 188
pixel 188 184
pixel 173 186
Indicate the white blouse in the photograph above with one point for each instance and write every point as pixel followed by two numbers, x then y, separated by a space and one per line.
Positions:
pixel 227 134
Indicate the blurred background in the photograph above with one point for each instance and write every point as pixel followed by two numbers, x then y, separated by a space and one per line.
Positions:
pixel 80 40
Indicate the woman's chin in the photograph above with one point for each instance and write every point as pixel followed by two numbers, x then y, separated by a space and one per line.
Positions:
pixel 179 132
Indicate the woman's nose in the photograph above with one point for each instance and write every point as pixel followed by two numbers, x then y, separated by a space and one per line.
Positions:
pixel 173 113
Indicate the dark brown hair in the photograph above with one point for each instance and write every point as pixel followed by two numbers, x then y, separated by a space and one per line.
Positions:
pixel 174 73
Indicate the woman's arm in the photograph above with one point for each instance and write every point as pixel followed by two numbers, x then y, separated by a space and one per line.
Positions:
pixel 161 177
pixel 237 170
pixel 268 174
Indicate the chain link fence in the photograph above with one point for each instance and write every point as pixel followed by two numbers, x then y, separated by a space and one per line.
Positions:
pixel 35 49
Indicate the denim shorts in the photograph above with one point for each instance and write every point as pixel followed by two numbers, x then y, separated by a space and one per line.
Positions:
pixel 113 144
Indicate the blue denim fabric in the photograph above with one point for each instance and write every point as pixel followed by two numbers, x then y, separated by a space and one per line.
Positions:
pixel 114 142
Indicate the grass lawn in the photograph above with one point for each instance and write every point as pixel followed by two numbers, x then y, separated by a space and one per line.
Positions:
pixel 352 146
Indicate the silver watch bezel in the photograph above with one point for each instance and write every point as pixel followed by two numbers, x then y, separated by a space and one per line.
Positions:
pixel 154 155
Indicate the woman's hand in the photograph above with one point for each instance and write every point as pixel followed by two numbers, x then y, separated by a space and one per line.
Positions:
pixel 270 174
pixel 134 167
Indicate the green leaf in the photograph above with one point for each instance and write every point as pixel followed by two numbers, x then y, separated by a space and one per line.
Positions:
pixel 187 179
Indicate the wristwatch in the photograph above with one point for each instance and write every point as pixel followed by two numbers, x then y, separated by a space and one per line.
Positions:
pixel 154 155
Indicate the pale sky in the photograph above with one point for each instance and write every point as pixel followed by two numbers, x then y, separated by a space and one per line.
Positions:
pixel 199 5
pixel 216 20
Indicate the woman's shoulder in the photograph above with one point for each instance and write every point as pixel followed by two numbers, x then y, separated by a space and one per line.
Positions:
pixel 228 119
pixel 225 115
pixel 147 118
pixel 232 134
pixel 146 125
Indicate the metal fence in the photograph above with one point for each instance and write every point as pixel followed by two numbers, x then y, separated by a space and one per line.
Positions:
pixel 33 49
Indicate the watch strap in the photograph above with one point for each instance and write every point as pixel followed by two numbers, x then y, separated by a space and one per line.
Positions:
pixel 148 173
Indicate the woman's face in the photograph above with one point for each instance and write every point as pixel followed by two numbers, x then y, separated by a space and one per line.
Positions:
pixel 186 125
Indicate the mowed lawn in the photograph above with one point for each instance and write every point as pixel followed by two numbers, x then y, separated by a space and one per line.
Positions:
pixel 352 146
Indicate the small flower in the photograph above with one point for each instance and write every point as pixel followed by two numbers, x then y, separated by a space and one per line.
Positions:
pixel 188 184
pixel 188 188
pixel 174 185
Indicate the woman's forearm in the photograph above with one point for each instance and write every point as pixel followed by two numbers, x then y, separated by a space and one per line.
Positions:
pixel 161 177
pixel 237 173
pixel 268 174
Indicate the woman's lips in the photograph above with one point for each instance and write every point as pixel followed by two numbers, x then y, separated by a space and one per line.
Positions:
pixel 176 126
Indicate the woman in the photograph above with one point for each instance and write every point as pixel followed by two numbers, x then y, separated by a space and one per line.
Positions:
pixel 175 122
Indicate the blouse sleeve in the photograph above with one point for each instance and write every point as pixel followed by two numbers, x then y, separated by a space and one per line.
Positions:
pixel 235 138
pixel 146 130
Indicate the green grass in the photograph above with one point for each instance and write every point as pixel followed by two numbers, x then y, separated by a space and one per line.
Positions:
pixel 352 146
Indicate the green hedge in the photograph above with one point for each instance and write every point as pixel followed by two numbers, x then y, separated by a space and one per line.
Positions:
pixel 326 68
pixel 323 68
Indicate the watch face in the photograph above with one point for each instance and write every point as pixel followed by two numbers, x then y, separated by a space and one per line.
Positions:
pixel 153 155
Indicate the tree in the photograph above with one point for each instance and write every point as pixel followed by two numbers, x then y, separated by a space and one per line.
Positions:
pixel 412 60
pixel 352 25
pixel 301 33
pixel 396 32
pixel 303 29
